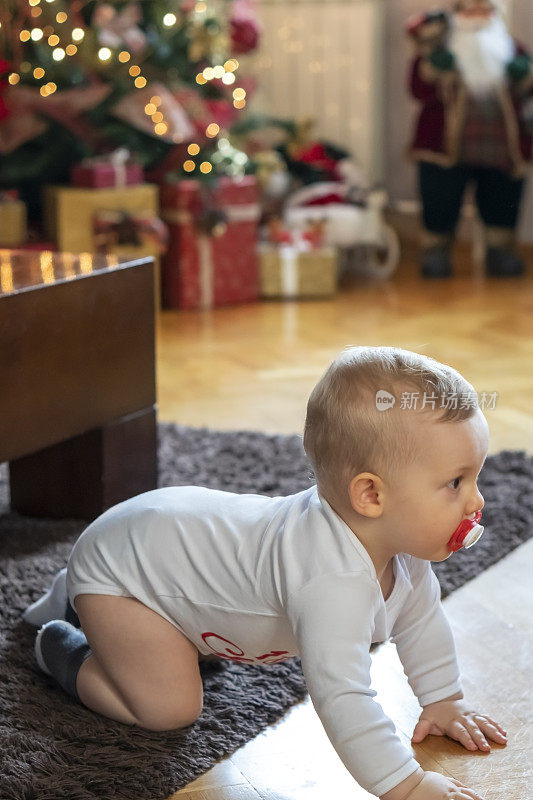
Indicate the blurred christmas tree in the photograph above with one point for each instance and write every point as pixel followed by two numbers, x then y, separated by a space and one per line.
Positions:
pixel 158 77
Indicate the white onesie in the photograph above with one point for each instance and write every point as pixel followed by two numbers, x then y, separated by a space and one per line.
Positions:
pixel 260 579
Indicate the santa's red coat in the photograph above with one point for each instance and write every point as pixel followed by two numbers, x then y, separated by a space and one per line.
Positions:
pixel 438 127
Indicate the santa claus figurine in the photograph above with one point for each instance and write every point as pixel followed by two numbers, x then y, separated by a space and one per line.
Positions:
pixel 471 78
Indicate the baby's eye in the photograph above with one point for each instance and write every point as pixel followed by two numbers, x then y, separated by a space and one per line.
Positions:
pixel 454 480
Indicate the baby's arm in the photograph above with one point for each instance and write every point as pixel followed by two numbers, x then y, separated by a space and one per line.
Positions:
pixel 426 648
pixel 332 619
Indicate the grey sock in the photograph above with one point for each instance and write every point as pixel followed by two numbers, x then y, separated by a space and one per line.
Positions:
pixel 64 648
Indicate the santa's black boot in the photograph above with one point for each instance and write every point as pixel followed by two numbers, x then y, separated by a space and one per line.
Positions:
pixel 436 261
pixel 503 263
pixel 501 259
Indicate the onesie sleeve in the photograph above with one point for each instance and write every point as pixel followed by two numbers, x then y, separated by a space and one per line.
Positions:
pixel 424 639
pixel 332 618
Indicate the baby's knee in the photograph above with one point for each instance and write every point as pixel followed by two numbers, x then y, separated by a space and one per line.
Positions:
pixel 168 719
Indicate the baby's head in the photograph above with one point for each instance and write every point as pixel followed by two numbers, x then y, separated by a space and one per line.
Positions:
pixel 375 459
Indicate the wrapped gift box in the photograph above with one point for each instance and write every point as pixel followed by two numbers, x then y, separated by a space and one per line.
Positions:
pixel 104 172
pixel 213 264
pixel 13 220
pixel 290 272
pixel 70 214
pixel 39 246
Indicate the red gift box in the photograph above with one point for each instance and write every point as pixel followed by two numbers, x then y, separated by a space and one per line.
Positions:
pixel 203 268
pixel 32 244
pixel 102 172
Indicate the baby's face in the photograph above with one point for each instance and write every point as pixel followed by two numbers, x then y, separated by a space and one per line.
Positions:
pixel 433 495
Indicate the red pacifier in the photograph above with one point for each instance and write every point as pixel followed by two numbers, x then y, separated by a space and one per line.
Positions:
pixel 467 533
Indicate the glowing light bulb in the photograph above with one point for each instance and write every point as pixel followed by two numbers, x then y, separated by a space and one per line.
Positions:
pixel 58 54
pixel 189 165
pixel 36 34
pixel 193 149
pixel 169 20
pixel 104 54
pixel 77 34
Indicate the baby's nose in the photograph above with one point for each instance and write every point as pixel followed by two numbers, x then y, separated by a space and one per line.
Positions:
pixel 473 514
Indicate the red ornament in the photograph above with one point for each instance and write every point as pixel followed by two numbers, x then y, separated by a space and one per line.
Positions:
pixel 244 27
pixel 244 35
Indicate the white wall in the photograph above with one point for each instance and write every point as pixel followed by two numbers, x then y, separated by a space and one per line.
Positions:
pixel 324 58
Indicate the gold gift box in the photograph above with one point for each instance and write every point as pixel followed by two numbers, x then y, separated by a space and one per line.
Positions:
pixel 69 211
pixel 287 272
pixel 13 223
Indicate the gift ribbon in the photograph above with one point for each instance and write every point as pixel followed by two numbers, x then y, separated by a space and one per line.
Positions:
pixel 206 271
pixel 289 270
pixel 237 213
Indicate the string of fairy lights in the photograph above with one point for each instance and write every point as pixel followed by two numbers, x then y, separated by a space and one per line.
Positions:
pixel 56 36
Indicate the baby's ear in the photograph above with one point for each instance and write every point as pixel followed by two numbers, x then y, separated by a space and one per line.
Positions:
pixel 365 492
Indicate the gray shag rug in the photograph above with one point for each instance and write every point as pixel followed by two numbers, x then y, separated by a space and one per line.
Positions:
pixel 53 748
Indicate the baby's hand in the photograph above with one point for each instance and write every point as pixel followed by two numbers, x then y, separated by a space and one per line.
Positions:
pixel 453 718
pixel 435 786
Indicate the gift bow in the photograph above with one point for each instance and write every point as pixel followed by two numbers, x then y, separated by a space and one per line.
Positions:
pixel 131 228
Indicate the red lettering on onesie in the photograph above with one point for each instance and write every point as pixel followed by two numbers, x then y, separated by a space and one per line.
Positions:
pixel 214 640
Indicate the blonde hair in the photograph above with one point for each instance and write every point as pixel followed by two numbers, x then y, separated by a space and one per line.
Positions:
pixel 346 434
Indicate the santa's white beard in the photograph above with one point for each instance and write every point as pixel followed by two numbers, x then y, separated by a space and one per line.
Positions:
pixel 482 52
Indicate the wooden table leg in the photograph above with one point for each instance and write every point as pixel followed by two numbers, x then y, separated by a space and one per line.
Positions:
pixel 83 476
